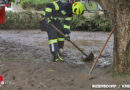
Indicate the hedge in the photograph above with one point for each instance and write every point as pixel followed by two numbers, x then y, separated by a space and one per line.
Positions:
pixel 94 23
pixel 35 4
pixel 22 20
pixel 31 20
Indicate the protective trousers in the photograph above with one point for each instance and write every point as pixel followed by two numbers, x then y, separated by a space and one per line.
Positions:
pixel 56 40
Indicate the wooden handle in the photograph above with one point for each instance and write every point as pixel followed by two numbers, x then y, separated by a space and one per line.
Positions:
pixel 94 64
pixel 69 41
pixel 78 48
pixel 58 30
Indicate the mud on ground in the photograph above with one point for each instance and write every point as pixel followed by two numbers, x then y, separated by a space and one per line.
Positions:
pixel 26 63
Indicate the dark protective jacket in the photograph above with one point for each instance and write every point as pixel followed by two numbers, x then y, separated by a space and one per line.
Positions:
pixel 56 10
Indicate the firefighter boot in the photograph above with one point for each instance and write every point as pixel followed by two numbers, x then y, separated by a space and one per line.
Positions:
pixel 57 58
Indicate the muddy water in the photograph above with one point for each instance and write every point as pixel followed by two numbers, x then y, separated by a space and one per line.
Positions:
pixel 33 43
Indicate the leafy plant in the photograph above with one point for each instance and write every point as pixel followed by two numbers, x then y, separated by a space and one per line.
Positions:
pixel 36 4
pixel 93 23
pixel 30 20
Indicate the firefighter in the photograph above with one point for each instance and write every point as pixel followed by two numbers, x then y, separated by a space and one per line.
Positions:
pixel 52 13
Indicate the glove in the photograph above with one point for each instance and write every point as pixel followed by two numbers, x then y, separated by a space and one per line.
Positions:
pixel 48 20
pixel 67 37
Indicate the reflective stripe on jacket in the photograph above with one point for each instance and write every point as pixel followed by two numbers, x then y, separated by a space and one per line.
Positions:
pixel 59 9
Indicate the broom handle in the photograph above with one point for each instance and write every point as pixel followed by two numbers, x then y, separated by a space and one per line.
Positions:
pixel 69 41
pixel 94 64
pixel 78 48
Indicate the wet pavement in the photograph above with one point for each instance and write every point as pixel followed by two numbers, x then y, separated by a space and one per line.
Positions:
pixel 37 41
pixel 26 63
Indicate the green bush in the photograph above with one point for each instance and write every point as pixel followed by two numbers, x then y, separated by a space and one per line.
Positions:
pixel 29 20
pixel 93 23
pixel 22 20
pixel 36 4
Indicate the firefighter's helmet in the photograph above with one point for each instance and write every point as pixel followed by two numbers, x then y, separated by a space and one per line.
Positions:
pixel 78 8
